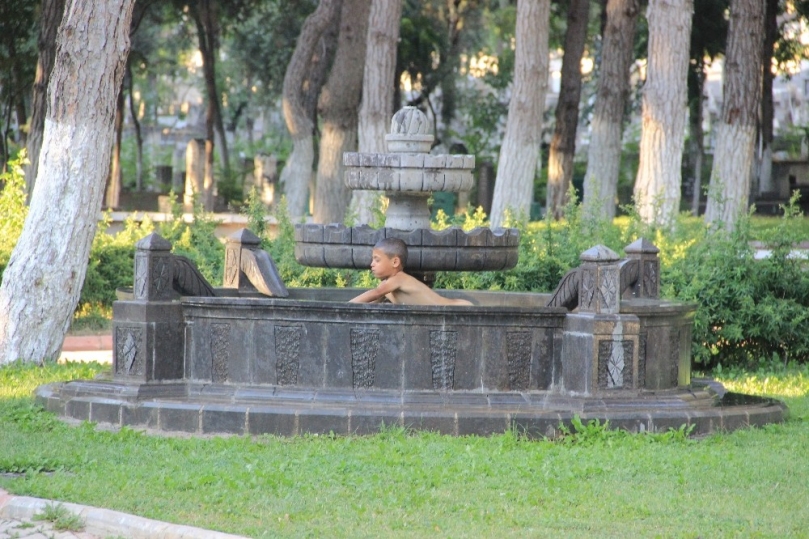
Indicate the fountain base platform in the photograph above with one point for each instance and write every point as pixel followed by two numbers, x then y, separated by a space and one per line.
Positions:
pixel 219 409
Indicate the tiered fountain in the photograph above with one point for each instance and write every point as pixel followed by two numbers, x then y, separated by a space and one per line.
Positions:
pixel 253 357
pixel 408 175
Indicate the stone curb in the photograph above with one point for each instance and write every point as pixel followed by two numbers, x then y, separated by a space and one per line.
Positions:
pixel 105 522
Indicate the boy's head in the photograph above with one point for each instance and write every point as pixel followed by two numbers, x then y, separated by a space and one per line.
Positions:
pixel 393 247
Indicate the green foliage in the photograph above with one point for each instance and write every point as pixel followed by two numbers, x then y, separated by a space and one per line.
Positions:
pixel 281 248
pixel 196 240
pixel 748 310
pixel 547 250
pixel 60 517
pixel 12 206
pixel 405 483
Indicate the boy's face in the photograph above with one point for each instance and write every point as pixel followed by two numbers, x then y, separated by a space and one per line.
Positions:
pixel 383 266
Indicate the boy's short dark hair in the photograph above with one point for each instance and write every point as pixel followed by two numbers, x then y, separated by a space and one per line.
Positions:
pixel 393 247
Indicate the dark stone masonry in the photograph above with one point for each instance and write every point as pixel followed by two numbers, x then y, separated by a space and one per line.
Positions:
pixel 254 357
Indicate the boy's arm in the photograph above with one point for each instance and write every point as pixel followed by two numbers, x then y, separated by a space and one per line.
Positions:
pixel 387 286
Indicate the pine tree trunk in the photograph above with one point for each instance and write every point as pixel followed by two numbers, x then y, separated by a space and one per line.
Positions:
pixel 49 23
pixel 43 280
pixel 607 125
pixel 729 190
pixel 297 172
pixel 563 144
pixel 339 104
pixel 519 153
pixel 665 94
pixel 378 85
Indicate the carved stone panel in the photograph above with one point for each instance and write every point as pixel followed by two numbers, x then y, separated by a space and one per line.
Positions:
pixel 141 276
pixel 443 350
pixel 129 351
pixel 220 352
pixel 615 364
pixel 161 276
pixel 518 352
pixel 642 359
pixel 587 290
pixel 651 278
pixel 674 357
pixel 364 348
pixel 608 290
pixel 231 279
pixel 287 353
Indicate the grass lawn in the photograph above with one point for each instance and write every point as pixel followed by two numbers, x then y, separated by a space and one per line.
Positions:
pixel 750 483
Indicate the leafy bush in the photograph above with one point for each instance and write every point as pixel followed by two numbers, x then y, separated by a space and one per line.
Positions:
pixel 749 310
pixel 12 207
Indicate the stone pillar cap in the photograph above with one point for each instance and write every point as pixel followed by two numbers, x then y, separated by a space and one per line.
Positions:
pixel 599 253
pixel 153 242
pixel 641 246
pixel 243 236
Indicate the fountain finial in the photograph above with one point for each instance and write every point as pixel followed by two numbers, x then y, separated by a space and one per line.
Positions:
pixel 409 132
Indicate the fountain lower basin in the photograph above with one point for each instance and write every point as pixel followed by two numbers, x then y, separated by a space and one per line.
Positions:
pixel 312 363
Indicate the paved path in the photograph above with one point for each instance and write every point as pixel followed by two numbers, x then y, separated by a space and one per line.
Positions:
pixel 87 348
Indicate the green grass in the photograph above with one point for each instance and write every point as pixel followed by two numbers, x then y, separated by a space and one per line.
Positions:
pixel 61 518
pixel 750 483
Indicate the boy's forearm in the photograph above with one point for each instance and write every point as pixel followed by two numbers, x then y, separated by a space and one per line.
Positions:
pixel 369 296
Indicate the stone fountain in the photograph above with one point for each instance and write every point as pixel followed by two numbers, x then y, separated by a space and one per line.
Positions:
pixel 254 357
pixel 408 175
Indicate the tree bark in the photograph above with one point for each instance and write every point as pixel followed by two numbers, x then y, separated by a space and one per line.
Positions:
pixel 665 97
pixel 339 104
pixel 563 143
pixel 697 141
pixel 112 192
pixel 299 117
pixel 133 111
pixel 729 189
pixel 207 25
pixel 49 22
pixel 43 279
pixel 607 126
pixel 378 86
pixel 765 184
pixel 519 153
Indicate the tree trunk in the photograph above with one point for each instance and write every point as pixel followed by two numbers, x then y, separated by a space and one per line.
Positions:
pixel 563 144
pixel 299 117
pixel 697 151
pixel 207 34
pixel 133 111
pixel 49 22
pixel 607 125
pixel 18 82
pixel 665 97
pixel 770 35
pixel 339 103
pixel 44 276
pixel 519 153
pixel 378 85
pixel 730 177
pixel 112 195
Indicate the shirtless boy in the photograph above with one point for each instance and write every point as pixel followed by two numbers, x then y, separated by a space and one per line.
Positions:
pixel 388 263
